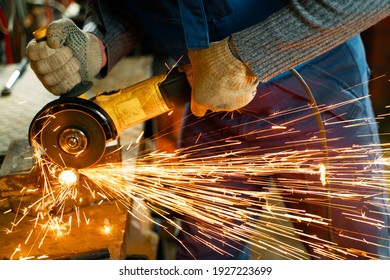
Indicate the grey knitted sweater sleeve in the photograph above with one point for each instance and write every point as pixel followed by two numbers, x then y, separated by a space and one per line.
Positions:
pixel 303 30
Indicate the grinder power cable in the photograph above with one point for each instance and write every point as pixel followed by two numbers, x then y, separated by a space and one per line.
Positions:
pixel 74 132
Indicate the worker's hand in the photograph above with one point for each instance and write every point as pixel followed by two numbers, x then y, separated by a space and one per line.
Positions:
pixel 219 80
pixel 67 56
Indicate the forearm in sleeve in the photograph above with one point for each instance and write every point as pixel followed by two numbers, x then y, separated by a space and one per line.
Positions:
pixel 303 30
pixel 117 29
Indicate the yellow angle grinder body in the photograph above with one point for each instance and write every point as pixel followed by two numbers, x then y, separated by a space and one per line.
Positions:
pixel 74 132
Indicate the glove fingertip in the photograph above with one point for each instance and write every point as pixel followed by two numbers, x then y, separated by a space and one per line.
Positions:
pixel 55 41
pixel 198 111
pixel 55 37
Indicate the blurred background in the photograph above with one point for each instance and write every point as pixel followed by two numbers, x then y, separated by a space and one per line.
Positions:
pixel 19 18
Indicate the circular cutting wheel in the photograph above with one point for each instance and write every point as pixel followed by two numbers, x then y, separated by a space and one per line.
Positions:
pixel 72 132
pixel 73 138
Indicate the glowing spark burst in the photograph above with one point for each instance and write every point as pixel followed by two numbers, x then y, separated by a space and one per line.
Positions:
pixel 68 177
pixel 323 174
pixel 107 230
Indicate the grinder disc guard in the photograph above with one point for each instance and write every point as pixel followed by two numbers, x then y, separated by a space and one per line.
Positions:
pixel 72 132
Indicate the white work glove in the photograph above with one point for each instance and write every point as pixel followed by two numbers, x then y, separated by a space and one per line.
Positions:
pixel 67 56
pixel 219 81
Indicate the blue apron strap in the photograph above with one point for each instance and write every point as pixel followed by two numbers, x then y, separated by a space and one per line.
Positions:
pixel 195 26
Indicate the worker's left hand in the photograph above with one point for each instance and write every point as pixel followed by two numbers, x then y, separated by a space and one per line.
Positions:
pixel 67 56
pixel 219 80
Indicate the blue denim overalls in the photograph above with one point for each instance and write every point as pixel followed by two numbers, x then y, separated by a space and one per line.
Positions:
pixel 338 80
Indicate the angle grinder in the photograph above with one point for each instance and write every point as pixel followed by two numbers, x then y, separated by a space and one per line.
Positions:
pixel 74 132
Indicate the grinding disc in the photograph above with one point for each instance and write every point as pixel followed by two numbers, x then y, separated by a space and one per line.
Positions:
pixel 73 138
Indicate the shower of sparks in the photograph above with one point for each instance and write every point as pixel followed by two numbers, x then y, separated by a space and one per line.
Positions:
pixel 177 186
pixel 195 188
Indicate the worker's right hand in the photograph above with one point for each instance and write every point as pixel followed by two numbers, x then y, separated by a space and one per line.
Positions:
pixel 67 56
pixel 220 81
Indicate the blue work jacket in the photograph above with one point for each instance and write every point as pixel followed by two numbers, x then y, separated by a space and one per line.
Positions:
pixel 178 25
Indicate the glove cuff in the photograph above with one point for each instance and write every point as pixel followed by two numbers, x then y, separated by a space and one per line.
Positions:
pixel 94 57
pixel 232 48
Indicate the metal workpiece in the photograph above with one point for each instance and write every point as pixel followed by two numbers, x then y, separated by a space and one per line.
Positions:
pixel 18 177
pixel 36 226
pixel 100 235
pixel 18 158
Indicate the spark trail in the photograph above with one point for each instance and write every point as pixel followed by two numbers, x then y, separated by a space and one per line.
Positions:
pixel 201 191
pixel 196 188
